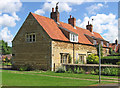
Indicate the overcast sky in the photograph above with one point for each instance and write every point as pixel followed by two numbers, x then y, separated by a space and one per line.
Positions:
pixel 105 14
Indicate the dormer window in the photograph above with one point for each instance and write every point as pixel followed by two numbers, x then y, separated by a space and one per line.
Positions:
pixel 102 43
pixel 94 42
pixel 107 44
pixel 73 37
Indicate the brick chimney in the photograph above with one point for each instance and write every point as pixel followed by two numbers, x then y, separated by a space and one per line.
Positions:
pixel 72 21
pixel 89 27
pixel 116 41
pixel 55 15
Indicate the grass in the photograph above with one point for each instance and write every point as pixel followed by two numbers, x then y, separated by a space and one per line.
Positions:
pixel 32 78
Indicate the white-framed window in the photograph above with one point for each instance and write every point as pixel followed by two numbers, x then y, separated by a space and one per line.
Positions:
pixel 94 42
pixel 107 44
pixel 30 37
pixel 102 43
pixel 73 37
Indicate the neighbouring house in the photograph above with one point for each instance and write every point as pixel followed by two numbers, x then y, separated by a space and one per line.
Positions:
pixel 115 46
pixel 47 43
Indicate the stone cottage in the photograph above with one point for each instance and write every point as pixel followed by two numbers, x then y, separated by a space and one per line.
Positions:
pixel 46 43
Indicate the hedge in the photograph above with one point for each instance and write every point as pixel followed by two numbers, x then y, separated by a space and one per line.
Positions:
pixel 110 60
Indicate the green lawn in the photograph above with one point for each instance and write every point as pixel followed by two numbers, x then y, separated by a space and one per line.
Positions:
pixel 16 78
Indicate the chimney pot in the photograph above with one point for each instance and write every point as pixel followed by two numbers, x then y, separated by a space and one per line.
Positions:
pixel 52 9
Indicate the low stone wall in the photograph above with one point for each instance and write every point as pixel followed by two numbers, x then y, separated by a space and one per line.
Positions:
pixel 88 67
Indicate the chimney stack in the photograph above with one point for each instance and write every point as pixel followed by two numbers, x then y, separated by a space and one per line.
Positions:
pixel 89 27
pixel 52 9
pixel 55 15
pixel 72 21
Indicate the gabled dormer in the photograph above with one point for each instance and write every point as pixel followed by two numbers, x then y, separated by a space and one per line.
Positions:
pixel 73 37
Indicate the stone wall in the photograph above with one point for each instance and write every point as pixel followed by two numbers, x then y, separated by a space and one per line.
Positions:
pixel 36 54
pixel 73 49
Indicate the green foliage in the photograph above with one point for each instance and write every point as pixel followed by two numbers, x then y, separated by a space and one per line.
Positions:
pixel 5 48
pixel 101 50
pixel 25 67
pixel 78 70
pixel 69 70
pixel 75 70
pixel 111 57
pixel 92 59
pixel 118 63
pixel 60 70
pixel 92 72
pixel 76 62
pixel 81 70
pixel 110 71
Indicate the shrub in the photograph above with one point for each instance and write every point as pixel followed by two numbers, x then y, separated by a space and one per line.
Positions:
pixel 92 59
pixel 110 59
pixel 92 72
pixel 76 62
pixel 60 70
pixel 78 70
pixel 81 70
pixel 118 63
pixel 110 71
pixel 70 70
pixel 25 67
pixel 96 71
pixel 75 70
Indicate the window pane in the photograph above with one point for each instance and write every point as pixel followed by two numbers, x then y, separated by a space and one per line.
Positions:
pixel 30 38
pixel 33 38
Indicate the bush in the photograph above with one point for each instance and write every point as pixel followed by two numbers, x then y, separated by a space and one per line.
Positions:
pixel 110 59
pixel 78 70
pixel 92 59
pixel 25 67
pixel 81 70
pixel 110 71
pixel 75 70
pixel 60 70
pixel 92 72
pixel 70 70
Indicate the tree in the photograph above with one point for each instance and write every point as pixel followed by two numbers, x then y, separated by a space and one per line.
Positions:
pixel 4 48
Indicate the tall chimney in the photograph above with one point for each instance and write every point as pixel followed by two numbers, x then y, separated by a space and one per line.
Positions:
pixel 52 9
pixel 72 21
pixel 89 27
pixel 55 15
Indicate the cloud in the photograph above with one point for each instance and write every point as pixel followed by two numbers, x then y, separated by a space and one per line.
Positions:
pixel 107 25
pixel 6 35
pixel 64 5
pixel 8 17
pixel 8 21
pixel 10 6
pixel 39 11
pixel 94 8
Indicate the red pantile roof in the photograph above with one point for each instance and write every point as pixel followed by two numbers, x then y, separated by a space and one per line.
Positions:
pixel 115 47
pixel 52 29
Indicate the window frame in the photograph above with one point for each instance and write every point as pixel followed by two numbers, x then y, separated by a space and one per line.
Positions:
pixel 30 39
pixel 73 37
